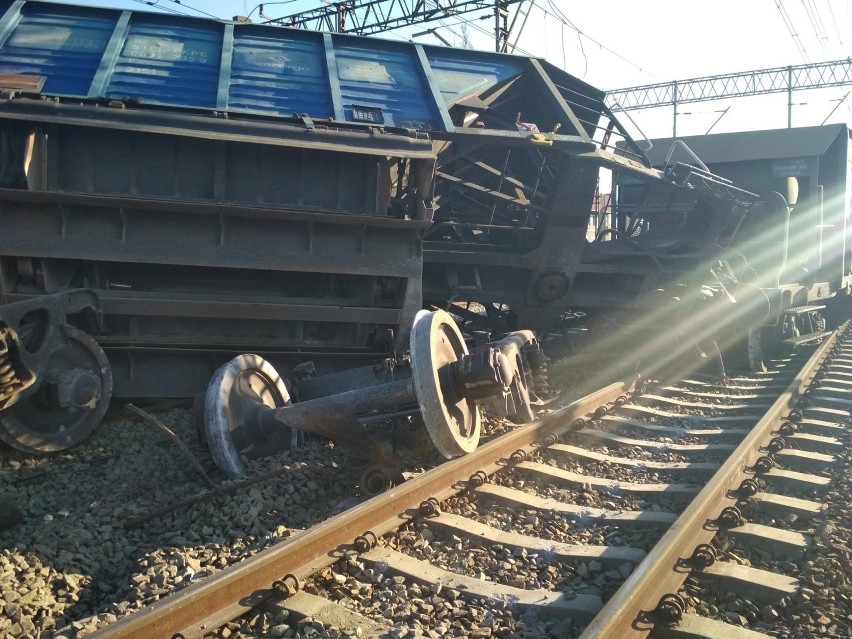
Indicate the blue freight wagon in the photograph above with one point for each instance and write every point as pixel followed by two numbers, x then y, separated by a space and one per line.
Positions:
pixel 177 191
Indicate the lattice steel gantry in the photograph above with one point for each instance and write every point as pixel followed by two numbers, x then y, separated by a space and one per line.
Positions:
pixel 819 75
pixel 368 17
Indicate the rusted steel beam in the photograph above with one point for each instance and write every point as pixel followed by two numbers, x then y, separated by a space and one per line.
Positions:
pixel 200 608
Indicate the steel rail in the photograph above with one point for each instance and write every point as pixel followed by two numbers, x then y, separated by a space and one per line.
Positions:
pixel 209 604
pixel 659 572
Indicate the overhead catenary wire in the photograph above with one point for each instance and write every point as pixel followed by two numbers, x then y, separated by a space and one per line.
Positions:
pixel 455 33
pixel 191 8
pixel 258 7
pixel 583 51
pixel 262 4
pixel 563 23
pixel 564 20
pixel 791 30
pixel 836 106
pixel 816 24
pixel 449 28
pixel 470 22
pixel 434 32
pixel 834 20
pixel 842 50
pixel 155 4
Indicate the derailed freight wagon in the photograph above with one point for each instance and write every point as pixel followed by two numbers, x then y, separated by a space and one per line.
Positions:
pixel 798 251
pixel 179 191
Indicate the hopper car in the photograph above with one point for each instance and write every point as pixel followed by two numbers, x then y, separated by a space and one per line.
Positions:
pixel 799 253
pixel 260 215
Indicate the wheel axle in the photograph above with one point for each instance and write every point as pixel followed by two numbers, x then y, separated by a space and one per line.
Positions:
pixel 248 408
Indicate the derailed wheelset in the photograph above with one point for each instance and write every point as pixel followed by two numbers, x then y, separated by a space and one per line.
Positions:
pixel 55 379
pixel 248 408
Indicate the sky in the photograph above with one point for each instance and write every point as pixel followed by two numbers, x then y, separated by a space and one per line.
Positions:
pixel 621 43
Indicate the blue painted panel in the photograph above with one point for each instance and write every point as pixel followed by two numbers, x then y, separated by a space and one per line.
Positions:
pixel 459 72
pixel 384 81
pixel 176 61
pixel 279 72
pixel 169 61
pixel 65 44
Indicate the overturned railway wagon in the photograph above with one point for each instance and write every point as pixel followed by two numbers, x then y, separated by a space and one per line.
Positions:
pixel 797 252
pixel 177 191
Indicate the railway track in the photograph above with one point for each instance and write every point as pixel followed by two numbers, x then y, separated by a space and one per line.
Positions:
pixel 585 523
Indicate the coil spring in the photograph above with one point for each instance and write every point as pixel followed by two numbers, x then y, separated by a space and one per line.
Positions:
pixel 539 372
pixel 9 381
pixel 14 374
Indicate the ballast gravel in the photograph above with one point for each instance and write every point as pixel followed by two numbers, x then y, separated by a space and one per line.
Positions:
pixel 822 608
pixel 433 612
pixel 72 566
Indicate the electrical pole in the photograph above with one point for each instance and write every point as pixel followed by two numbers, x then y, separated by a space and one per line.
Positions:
pixel 501 26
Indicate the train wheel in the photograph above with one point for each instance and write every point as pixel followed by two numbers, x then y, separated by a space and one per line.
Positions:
pixel 453 423
pixel 73 396
pixel 231 402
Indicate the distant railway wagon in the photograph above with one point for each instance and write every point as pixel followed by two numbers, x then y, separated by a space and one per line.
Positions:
pixel 802 253
pixel 817 160
pixel 175 192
